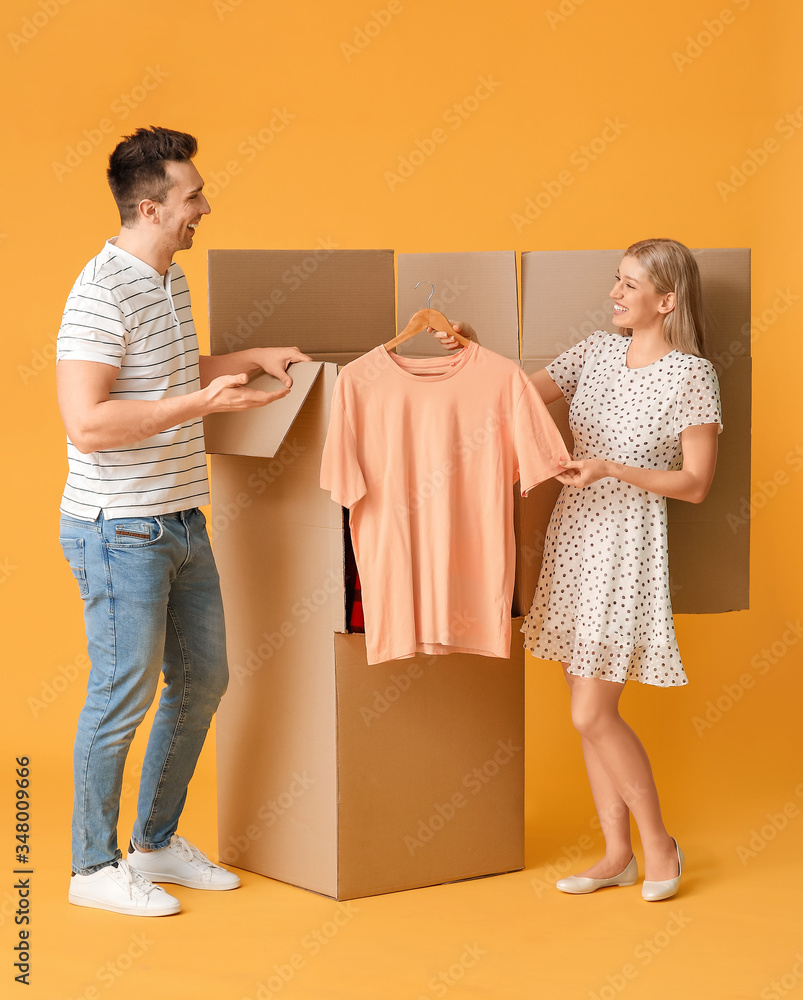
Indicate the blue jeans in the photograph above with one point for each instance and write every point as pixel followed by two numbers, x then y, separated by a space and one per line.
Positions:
pixel 152 605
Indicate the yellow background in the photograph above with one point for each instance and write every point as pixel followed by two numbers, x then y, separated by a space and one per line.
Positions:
pixel 695 99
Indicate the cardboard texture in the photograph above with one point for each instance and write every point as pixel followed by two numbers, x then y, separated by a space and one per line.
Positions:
pixel 334 304
pixel 564 299
pixel 478 287
pixel 352 780
pixel 345 779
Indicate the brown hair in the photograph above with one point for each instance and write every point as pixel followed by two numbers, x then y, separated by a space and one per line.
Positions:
pixel 137 167
pixel 671 267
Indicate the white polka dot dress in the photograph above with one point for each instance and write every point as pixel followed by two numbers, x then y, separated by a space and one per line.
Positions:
pixel 602 604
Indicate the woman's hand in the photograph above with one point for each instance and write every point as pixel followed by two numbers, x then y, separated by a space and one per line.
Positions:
pixel 448 341
pixel 583 472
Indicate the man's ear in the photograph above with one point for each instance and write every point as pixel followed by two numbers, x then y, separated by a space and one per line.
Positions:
pixel 148 211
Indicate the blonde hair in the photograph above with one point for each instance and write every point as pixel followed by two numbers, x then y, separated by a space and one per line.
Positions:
pixel 671 267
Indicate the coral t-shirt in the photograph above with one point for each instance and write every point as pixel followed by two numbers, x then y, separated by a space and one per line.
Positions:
pixel 425 453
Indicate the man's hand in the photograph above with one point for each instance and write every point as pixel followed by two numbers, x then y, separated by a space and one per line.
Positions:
pixel 227 393
pixel 253 361
pixel 274 361
pixel 448 341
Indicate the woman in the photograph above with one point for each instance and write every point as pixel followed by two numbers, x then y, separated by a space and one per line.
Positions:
pixel 645 414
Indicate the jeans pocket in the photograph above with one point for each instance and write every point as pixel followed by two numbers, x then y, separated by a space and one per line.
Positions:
pixel 73 549
pixel 130 532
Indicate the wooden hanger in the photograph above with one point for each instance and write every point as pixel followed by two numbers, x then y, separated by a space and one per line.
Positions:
pixel 426 318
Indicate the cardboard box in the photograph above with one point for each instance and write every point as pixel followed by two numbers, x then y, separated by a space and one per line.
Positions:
pixel 352 780
pixel 565 297
pixel 335 776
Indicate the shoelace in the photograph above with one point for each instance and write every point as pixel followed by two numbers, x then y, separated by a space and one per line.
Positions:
pixel 133 881
pixel 190 852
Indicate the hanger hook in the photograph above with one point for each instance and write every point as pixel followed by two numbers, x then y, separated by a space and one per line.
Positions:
pixel 430 285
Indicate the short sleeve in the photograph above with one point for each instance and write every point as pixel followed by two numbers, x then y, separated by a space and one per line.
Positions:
pixel 93 327
pixel 698 399
pixel 566 369
pixel 341 474
pixel 537 442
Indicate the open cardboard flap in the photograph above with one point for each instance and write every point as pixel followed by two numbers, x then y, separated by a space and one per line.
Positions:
pixel 250 432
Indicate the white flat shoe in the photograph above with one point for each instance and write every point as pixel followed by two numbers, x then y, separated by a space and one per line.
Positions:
pixel 653 891
pixel 579 884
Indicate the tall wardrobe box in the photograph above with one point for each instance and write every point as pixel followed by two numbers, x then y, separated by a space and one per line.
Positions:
pixel 565 297
pixel 340 777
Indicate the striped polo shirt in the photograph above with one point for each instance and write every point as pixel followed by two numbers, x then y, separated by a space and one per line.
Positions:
pixel 122 312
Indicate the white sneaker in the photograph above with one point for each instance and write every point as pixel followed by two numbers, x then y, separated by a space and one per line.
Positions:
pixel 182 863
pixel 119 888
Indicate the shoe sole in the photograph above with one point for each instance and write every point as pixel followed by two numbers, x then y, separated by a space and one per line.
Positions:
pixel 98 905
pixel 587 892
pixel 657 899
pixel 187 883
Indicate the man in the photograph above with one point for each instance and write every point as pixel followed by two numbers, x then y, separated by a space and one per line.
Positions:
pixel 132 392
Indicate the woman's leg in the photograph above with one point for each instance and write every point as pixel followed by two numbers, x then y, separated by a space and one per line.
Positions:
pixel 618 765
pixel 612 811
